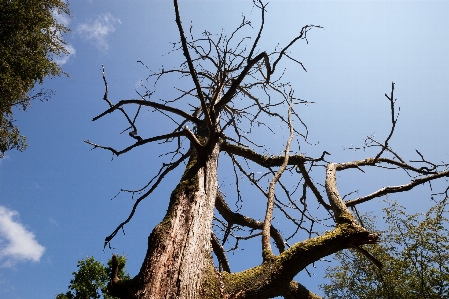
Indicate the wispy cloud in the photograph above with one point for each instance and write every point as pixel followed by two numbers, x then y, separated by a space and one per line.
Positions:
pixel 52 221
pixel 64 20
pixel 97 31
pixel 17 244
pixel 61 60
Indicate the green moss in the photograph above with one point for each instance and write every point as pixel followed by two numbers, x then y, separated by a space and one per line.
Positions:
pixel 189 180
pixel 267 255
pixel 345 217
pixel 187 184
pixel 211 287
pixel 256 279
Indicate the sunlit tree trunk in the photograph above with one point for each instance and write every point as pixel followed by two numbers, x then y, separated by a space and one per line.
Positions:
pixel 179 248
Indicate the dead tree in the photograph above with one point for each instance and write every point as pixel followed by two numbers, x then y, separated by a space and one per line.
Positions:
pixel 234 89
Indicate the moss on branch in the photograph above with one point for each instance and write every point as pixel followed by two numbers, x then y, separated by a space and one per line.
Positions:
pixel 273 277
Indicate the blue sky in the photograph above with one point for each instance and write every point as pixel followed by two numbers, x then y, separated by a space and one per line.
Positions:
pixel 55 198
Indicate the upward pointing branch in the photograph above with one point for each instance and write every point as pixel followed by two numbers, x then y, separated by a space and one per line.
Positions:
pixel 393 122
pixel 233 88
pixel 266 245
pixel 192 70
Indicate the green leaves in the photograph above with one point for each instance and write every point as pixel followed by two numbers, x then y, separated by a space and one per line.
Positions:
pixel 415 254
pixel 91 279
pixel 30 36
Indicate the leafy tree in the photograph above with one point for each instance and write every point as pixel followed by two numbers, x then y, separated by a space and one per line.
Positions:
pixel 414 253
pixel 30 37
pixel 92 278
pixel 226 89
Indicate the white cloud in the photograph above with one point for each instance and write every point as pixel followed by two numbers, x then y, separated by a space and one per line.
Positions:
pixel 61 60
pixel 64 20
pixel 16 243
pixel 96 31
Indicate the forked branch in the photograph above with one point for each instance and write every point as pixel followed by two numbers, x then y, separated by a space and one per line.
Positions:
pixel 179 112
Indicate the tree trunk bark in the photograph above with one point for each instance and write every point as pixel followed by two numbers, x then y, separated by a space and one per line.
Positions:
pixel 179 248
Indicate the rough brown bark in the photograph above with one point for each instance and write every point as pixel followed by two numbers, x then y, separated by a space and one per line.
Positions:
pixel 179 247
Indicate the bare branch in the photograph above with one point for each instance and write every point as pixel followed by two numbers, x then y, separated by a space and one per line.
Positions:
pixel 302 35
pixel 219 252
pixel 237 218
pixel 266 245
pixel 312 186
pixel 233 88
pixel 143 141
pixel 192 70
pixel 372 259
pixel 149 104
pixel 394 189
pixel 393 121
pixel 105 97
pixel 262 160
pixel 160 176
pixel 262 9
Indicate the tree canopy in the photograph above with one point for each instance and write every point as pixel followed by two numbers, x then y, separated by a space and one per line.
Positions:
pixel 414 252
pixel 230 95
pixel 30 38
pixel 92 278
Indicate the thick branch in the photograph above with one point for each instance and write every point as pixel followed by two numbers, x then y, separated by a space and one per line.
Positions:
pixel 261 281
pixel 369 256
pixel 219 253
pixel 262 9
pixel 262 160
pixel 298 291
pixel 341 212
pixel 239 219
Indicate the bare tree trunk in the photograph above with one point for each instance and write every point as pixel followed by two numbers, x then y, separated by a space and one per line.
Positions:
pixel 179 247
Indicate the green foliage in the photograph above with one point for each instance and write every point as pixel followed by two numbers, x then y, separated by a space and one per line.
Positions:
pixel 415 255
pixel 30 37
pixel 92 278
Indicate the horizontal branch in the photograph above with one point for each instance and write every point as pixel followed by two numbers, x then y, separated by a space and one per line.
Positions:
pixel 150 104
pixel 139 143
pixel 262 160
pixel 373 162
pixel 394 189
